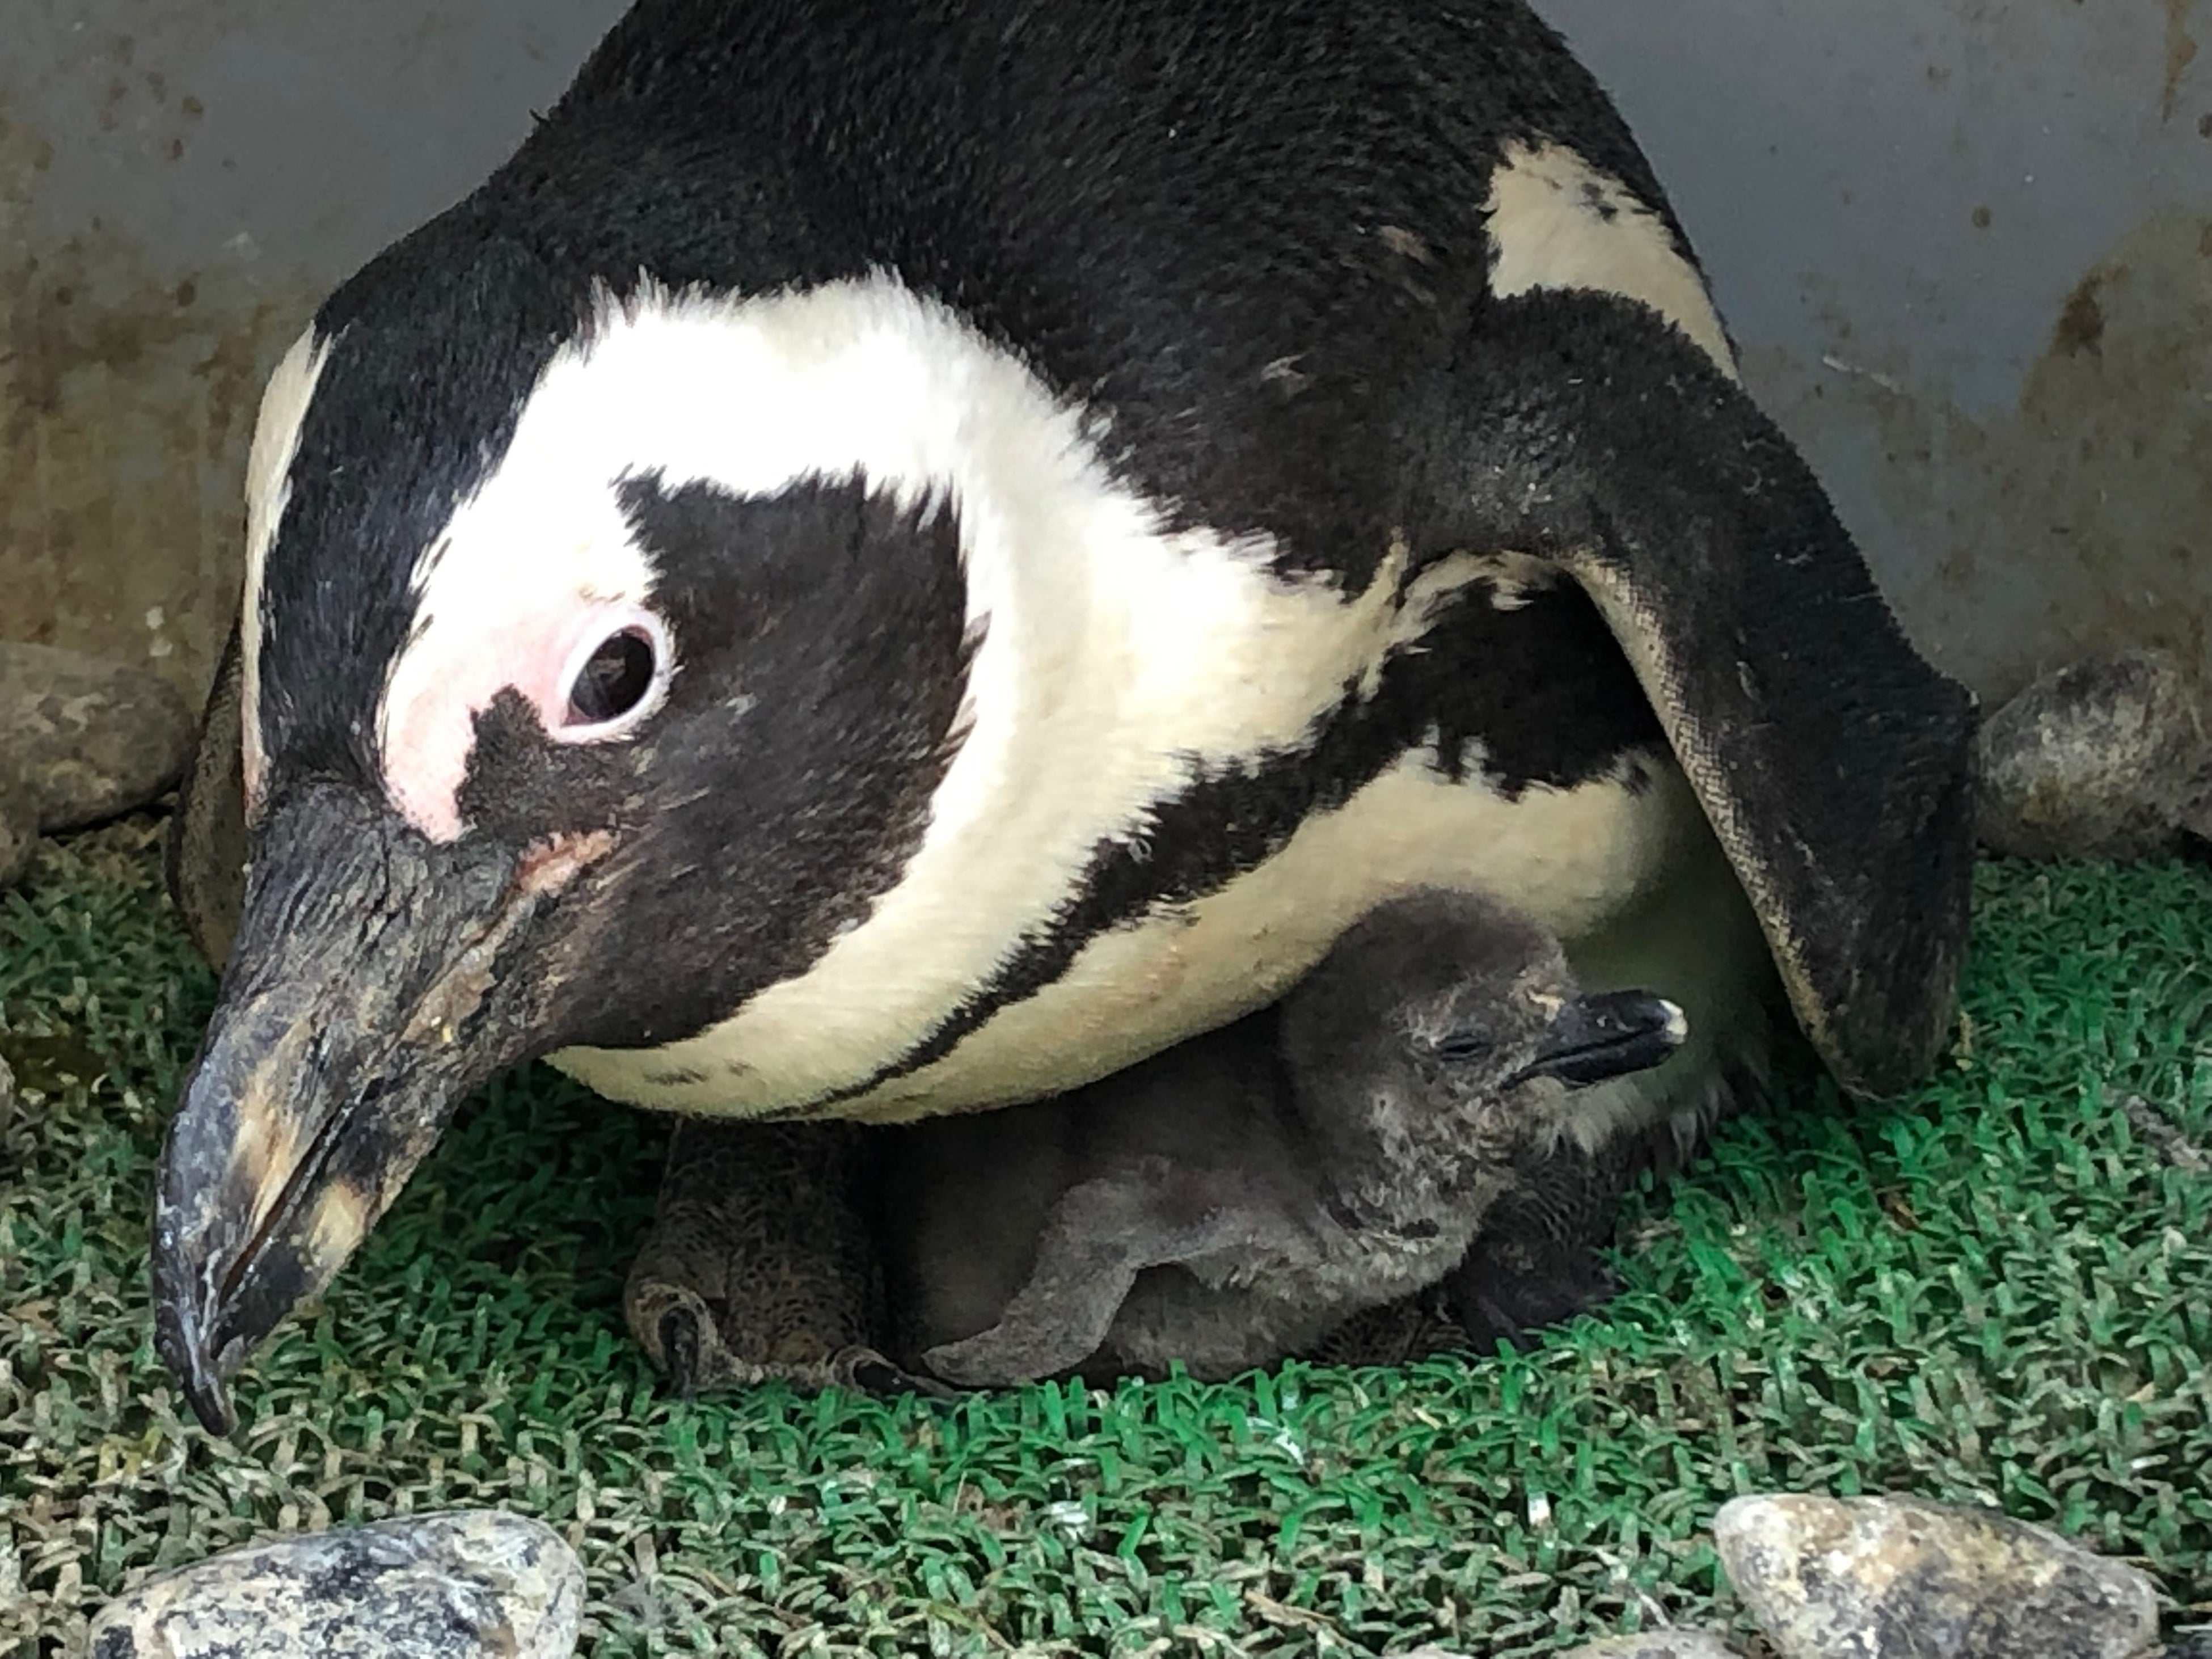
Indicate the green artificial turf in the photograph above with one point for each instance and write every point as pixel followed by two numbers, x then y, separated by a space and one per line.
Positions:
pixel 1998 1290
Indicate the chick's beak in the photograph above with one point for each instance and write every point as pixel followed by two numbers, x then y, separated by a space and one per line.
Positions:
pixel 1607 1034
pixel 364 999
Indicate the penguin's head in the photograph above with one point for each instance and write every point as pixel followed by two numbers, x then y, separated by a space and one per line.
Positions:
pixel 581 704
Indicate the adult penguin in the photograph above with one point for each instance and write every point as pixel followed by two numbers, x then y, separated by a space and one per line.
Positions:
pixel 903 554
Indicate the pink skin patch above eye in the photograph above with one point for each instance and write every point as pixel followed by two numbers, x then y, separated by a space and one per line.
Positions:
pixel 451 674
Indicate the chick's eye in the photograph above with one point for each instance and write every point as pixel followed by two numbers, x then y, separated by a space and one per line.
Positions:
pixel 1461 1046
pixel 613 680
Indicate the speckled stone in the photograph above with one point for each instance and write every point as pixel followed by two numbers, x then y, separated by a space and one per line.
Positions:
pixel 19 839
pixel 1658 1644
pixel 88 738
pixel 1904 1578
pixel 454 1585
pixel 2111 758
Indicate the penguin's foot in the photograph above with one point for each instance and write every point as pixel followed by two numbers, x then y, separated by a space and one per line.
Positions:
pixel 760 1268
pixel 690 1349
pixel 1506 1288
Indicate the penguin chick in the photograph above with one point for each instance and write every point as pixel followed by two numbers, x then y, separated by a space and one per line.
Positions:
pixel 1232 1201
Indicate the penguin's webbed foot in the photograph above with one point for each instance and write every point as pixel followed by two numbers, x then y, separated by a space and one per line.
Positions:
pixel 690 1349
pixel 760 1267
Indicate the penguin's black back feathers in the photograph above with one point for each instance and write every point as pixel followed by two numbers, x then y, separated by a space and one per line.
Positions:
pixel 1234 227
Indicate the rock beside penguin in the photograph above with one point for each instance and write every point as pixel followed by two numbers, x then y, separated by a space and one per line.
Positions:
pixel 452 1585
pixel 2109 758
pixel 82 739
pixel 1893 1576
pixel 19 839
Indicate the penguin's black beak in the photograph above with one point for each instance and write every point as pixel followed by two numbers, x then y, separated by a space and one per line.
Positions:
pixel 1607 1034
pixel 365 997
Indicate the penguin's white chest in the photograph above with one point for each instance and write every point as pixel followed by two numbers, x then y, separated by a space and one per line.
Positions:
pixel 1575 859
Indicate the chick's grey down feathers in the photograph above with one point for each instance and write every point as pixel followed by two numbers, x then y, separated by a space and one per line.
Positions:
pixel 1237 1199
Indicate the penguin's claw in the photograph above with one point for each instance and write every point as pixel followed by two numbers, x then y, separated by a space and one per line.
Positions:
pixel 684 1334
pixel 866 1371
pixel 679 1349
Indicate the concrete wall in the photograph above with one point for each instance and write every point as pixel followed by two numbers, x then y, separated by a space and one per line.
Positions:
pixel 1965 245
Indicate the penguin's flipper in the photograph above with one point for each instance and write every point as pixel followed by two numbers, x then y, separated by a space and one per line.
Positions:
pixel 1536 1261
pixel 759 1266
pixel 1101 1234
pixel 204 857
pixel 1834 762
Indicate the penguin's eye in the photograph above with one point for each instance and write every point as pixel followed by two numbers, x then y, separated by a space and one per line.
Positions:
pixel 613 680
pixel 617 675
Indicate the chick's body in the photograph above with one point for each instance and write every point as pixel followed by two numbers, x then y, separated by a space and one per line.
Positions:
pixel 1233 1201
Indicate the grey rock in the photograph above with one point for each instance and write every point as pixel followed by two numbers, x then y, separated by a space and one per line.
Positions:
pixel 1658 1644
pixel 19 839
pixel 452 1585
pixel 1905 1578
pixel 88 738
pixel 2110 758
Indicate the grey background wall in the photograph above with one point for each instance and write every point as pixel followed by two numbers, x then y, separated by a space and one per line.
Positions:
pixel 1965 247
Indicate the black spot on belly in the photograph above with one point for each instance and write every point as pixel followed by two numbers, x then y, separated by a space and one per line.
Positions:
pixel 1540 696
